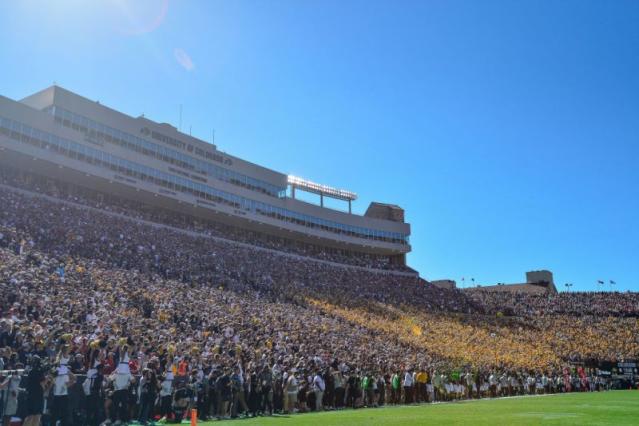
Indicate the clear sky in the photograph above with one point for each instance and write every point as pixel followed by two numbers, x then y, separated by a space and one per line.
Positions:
pixel 507 130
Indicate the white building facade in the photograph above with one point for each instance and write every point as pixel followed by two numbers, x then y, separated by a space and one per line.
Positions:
pixel 58 134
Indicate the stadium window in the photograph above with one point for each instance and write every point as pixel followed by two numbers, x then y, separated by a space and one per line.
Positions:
pixel 93 156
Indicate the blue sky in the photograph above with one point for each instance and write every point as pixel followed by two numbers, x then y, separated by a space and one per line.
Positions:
pixel 508 130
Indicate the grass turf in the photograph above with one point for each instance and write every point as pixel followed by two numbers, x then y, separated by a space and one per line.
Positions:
pixel 606 408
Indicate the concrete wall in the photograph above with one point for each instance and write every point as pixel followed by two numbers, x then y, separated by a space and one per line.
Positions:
pixel 539 277
pixel 446 284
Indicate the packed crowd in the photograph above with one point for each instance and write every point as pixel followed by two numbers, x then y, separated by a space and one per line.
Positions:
pixel 107 318
pixel 186 330
pixel 115 344
pixel 109 203
pixel 568 303
pixel 533 343
pixel 64 230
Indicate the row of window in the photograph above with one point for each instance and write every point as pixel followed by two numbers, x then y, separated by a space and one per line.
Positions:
pixel 99 134
pixel 27 134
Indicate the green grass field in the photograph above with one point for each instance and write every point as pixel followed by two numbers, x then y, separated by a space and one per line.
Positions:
pixel 608 408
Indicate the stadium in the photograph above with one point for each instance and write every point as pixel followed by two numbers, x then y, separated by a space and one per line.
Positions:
pixel 335 213
pixel 148 276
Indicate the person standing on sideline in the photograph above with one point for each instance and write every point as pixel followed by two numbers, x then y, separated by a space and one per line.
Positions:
pixel 148 395
pixel 166 394
pixel 92 387
pixel 395 388
pixel 339 381
pixel 318 388
pixel 237 386
pixel 122 379
pixel 290 391
pixel 61 408
pixel 36 383
pixel 408 387
pixel 421 378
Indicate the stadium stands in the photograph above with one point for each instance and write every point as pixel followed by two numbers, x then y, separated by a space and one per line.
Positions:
pixel 137 210
pixel 140 311
pixel 575 304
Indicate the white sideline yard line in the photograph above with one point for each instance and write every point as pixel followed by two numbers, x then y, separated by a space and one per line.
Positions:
pixel 200 235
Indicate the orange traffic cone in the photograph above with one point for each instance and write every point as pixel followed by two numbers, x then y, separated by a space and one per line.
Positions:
pixel 194 417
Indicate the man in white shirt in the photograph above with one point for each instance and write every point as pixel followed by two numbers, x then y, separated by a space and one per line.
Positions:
pixel 408 387
pixel 60 409
pixel 318 388
pixel 9 404
pixel 530 381
pixel 166 392
pixel 290 392
pixel 122 379
pixel 470 380
pixel 503 385
pixel 492 381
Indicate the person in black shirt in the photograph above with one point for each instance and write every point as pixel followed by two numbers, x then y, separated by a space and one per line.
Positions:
pixel 148 394
pixel 77 364
pixel 35 385
pixel 255 392
pixel 181 401
pixel 202 392
pixel 223 387
pixel 266 379
pixel 351 390
pixel 212 393
pixel 95 397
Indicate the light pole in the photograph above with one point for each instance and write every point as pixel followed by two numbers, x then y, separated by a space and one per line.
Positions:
pixel 568 285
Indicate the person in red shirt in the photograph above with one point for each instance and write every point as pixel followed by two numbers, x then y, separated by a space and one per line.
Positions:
pixel 134 364
pixel 183 367
pixel 109 364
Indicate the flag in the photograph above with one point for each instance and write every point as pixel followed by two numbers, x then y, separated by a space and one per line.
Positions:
pixel 472 279
pixel 599 282
pixel 612 282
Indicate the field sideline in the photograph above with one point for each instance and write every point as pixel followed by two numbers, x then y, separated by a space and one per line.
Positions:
pixel 606 408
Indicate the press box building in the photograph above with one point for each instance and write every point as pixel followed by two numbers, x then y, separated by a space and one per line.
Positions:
pixel 64 136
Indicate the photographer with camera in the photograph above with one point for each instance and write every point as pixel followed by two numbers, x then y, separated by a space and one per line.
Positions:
pixel 11 387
